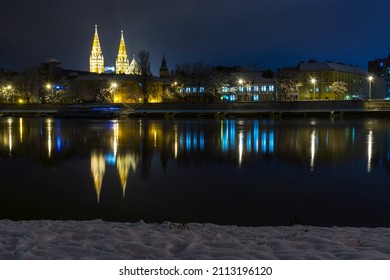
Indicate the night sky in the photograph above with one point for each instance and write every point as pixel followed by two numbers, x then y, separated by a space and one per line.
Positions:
pixel 261 33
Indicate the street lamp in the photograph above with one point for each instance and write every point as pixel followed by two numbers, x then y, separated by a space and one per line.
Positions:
pixel 313 81
pixel 370 78
pixel 241 88
pixel 113 88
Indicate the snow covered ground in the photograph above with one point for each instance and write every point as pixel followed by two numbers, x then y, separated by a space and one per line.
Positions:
pixel 107 240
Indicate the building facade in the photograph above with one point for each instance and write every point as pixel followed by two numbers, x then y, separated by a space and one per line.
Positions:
pixel 326 81
pixel 380 70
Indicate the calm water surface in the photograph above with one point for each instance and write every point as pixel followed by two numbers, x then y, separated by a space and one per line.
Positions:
pixel 233 171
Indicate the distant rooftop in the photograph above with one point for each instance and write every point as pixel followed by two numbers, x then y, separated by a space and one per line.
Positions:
pixel 330 66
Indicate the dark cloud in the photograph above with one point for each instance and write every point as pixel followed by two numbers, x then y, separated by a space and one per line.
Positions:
pixel 267 33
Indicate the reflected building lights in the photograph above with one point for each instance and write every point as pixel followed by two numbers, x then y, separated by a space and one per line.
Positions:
pixel 240 148
pixel 176 143
pixel 10 138
pixel 312 149
pixel 49 137
pixel 98 168
pixel 21 130
pixel 271 142
pixel 256 136
pixel 249 142
pixel 250 139
pixel 124 164
pixel 370 140
pixel 116 136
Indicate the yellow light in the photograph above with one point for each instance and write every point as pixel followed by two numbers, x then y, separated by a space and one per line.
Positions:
pixel 20 101
pixel 240 81
pixel 370 78
pixel 313 81
pixel 114 85
pixel 48 86
pixel 116 99
pixel 9 87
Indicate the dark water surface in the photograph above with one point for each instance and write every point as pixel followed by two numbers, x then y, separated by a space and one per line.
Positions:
pixel 233 171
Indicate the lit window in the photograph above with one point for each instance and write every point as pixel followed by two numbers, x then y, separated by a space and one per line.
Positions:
pixel 271 88
pixel 194 90
pixel 188 90
pixel 256 97
pixel 181 90
pixel 256 88
pixel 263 88
pixel 380 64
pixel 201 89
pixel 326 88
pixel 240 88
pixel 248 88
pixel 224 89
pixel 232 97
pixel 232 89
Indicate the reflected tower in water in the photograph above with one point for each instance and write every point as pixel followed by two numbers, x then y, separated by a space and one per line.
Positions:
pixel 98 168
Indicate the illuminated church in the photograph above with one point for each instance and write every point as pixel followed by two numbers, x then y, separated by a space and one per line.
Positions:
pixel 122 65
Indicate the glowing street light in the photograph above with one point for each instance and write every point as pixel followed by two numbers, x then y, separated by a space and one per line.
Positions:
pixel 313 81
pixel 241 88
pixel 370 78
pixel 48 86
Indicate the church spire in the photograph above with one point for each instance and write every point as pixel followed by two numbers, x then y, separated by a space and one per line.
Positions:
pixel 164 72
pixel 122 61
pixel 96 59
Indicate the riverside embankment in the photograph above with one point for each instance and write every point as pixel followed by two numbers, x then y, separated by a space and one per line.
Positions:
pixel 339 108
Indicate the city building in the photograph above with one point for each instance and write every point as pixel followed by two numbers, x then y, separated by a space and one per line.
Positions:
pixel 380 70
pixel 328 80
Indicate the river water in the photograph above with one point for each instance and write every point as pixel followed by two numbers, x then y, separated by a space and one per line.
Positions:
pixel 226 171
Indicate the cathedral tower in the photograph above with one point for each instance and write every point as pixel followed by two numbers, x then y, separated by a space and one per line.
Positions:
pixel 122 61
pixel 96 59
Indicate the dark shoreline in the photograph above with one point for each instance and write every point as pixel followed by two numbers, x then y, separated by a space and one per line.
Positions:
pixel 300 109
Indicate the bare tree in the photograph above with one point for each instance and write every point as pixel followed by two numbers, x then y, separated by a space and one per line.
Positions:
pixel 145 76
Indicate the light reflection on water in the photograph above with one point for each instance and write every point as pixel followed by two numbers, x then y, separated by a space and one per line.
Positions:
pixel 223 171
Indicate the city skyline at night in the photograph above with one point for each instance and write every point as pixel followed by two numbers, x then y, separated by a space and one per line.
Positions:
pixel 265 34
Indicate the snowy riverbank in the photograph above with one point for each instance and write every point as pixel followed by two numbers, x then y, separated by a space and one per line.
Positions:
pixel 107 240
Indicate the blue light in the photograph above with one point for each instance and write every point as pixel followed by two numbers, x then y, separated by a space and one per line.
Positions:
pixel 195 141
pixel 256 135
pixel 264 142
pixel 232 133
pixel 188 141
pixel 201 141
pixel 110 159
pixel 59 143
pixel 181 140
pixel 271 142
pixel 249 141
pixel 225 139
